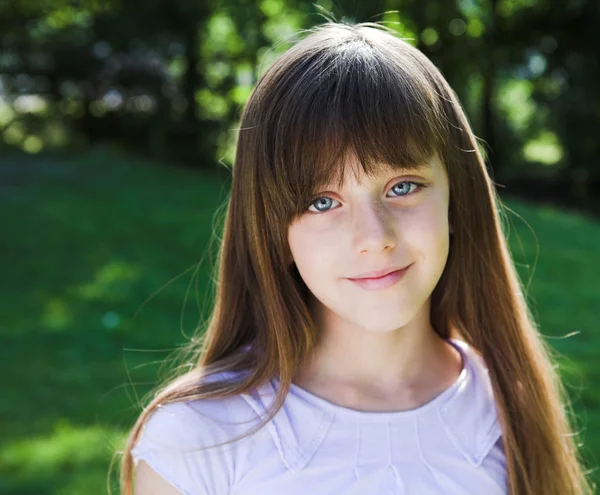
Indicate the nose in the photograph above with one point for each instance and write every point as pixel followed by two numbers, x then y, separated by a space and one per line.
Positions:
pixel 372 228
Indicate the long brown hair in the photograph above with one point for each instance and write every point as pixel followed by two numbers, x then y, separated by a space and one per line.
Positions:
pixel 360 88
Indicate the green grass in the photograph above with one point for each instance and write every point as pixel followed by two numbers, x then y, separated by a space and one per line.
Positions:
pixel 88 246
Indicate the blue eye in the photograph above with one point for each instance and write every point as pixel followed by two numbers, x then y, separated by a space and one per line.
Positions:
pixel 325 201
pixel 408 183
pixel 321 200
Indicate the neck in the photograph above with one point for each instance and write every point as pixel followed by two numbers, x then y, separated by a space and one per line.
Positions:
pixel 403 367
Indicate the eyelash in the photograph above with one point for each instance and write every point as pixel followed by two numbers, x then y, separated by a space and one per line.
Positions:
pixel 418 188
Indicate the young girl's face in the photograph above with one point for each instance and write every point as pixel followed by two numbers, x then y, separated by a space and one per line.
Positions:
pixel 394 220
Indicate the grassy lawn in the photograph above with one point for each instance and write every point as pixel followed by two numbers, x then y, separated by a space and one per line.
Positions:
pixel 98 255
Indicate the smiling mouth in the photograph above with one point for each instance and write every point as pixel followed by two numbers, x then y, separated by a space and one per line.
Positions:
pixel 377 273
pixel 383 282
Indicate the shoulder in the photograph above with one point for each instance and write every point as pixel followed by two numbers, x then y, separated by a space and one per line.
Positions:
pixel 198 420
pixel 183 424
pixel 191 444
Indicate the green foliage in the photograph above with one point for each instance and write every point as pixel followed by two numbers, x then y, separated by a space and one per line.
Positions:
pixel 180 72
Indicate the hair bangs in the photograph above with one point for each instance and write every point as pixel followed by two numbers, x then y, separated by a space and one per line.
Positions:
pixel 353 105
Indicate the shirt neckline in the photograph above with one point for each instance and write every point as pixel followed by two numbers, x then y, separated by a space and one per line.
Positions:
pixel 378 416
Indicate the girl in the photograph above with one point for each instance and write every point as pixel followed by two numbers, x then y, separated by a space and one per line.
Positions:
pixel 369 335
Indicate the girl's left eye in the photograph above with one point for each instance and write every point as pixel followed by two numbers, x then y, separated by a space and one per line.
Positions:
pixel 407 183
pixel 403 192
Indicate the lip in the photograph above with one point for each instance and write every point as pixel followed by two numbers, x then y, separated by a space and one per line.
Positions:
pixel 378 273
pixel 382 282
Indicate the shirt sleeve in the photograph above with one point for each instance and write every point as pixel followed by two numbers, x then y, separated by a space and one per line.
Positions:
pixel 170 444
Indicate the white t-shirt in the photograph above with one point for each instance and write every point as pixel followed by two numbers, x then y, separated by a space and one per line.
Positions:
pixel 451 445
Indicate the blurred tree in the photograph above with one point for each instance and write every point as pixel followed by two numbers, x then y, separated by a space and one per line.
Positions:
pixel 168 79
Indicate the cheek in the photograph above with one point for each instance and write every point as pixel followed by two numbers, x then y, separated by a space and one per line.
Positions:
pixel 314 254
pixel 310 243
pixel 427 234
pixel 431 224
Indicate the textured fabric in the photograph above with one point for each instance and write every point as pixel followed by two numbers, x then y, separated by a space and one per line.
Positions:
pixel 452 445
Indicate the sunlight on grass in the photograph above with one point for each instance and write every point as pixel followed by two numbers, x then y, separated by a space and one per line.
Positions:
pixel 111 282
pixel 56 314
pixel 66 448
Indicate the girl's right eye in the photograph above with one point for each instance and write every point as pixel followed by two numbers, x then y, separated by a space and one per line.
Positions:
pixel 323 201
